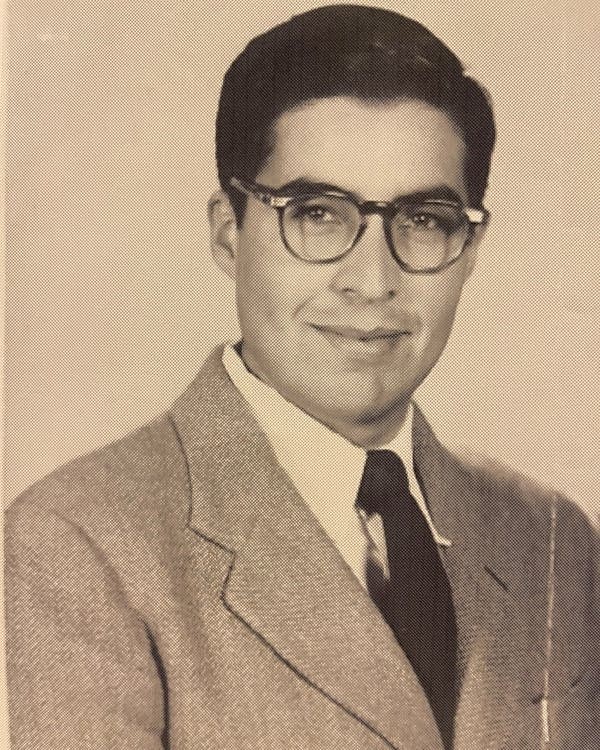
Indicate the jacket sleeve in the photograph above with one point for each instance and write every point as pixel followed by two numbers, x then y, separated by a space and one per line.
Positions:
pixel 80 663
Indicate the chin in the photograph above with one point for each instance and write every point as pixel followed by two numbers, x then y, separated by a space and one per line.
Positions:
pixel 360 399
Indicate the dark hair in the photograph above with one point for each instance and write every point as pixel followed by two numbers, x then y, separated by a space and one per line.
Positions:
pixel 344 50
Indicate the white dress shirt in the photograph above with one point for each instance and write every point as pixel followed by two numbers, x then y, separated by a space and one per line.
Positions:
pixel 325 468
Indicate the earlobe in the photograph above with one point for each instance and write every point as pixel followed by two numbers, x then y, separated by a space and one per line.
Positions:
pixel 471 261
pixel 223 232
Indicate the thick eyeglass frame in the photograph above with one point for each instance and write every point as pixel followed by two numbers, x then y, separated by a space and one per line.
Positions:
pixel 280 200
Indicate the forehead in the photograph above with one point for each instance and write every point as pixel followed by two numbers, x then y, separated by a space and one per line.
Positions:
pixel 376 150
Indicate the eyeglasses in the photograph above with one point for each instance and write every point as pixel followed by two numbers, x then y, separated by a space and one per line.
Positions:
pixel 424 235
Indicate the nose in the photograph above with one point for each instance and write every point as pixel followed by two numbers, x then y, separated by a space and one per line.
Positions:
pixel 369 273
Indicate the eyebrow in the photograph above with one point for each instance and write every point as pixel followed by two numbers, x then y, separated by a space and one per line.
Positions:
pixel 302 185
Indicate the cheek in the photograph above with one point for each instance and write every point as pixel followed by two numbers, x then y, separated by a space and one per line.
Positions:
pixel 256 274
pixel 273 288
pixel 438 304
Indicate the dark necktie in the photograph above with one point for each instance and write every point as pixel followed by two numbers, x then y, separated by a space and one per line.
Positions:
pixel 417 600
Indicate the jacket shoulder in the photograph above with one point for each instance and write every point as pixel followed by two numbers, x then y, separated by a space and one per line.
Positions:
pixel 527 507
pixel 506 483
pixel 140 469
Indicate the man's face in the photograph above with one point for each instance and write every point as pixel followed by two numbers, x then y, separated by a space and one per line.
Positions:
pixel 311 330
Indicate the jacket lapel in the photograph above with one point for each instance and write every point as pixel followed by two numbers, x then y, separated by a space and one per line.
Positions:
pixel 287 581
pixel 498 569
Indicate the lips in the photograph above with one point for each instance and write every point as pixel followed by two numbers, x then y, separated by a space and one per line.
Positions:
pixel 361 334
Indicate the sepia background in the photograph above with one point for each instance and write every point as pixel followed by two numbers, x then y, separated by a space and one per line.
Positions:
pixel 113 301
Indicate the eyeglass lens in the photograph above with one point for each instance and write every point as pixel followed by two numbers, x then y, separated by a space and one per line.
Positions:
pixel 424 236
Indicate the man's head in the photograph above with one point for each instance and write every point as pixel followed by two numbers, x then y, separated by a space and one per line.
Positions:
pixel 344 50
pixel 371 104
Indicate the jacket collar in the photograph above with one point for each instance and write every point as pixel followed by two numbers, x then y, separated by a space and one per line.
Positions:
pixel 481 508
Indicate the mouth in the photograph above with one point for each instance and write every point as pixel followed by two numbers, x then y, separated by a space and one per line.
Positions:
pixel 359 334
pixel 360 342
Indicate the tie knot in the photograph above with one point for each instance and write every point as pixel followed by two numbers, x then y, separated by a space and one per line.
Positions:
pixel 384 482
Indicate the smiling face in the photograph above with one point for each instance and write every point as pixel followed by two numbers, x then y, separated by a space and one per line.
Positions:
pixel 348 342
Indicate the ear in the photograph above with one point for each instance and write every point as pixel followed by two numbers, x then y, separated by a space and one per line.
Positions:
pixel 473 246
pixel 223 232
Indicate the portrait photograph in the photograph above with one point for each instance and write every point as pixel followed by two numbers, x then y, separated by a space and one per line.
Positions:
pixel 301 375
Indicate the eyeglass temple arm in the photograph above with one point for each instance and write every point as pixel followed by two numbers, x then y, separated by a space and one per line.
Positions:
pixel 268 198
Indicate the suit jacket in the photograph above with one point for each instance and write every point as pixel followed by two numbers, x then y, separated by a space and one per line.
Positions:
pixel 173 590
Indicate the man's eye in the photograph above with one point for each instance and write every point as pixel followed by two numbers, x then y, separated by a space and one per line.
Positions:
pixel 426 221
pixel 444 219
pixel 317 214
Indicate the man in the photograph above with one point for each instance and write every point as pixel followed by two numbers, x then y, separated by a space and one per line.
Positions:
pixel 288 558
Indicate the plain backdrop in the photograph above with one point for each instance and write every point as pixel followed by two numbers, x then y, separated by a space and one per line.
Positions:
pixel 113 300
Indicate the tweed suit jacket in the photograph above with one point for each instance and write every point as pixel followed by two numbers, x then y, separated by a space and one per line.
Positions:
pixel 173 590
